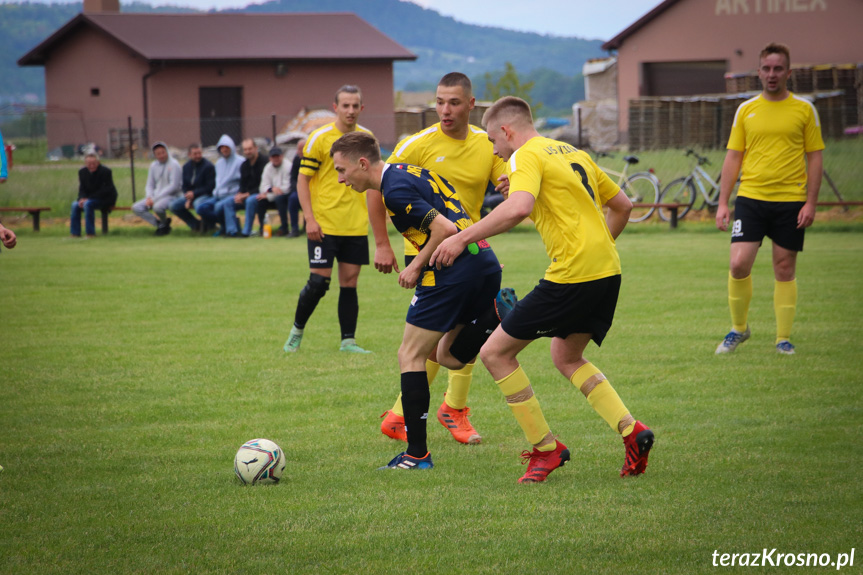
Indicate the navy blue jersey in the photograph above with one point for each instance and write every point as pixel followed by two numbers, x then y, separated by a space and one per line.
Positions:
pixel 414 197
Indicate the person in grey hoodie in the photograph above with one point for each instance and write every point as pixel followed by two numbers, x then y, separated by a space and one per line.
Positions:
pixel 164 185
pixel 227 183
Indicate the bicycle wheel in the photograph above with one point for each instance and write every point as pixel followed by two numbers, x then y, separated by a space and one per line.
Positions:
pixel 679 191
pixel 641 188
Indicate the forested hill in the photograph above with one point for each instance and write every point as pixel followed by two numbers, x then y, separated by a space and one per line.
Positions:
pixel 442 44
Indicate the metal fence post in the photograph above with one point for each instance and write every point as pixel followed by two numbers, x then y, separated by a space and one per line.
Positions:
pixel 132 157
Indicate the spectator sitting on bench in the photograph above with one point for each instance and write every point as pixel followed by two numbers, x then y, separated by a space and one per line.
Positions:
pixel 273 191
pixel 250 180
pixel 96 191
pixel 293 196
pixel 227 184
pixel 199 179
pixel 164 185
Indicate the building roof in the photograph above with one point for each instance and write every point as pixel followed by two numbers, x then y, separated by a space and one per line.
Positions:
pixel 618 40
pixel 218 37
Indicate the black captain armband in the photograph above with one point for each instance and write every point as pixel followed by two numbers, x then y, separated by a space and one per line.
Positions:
pixel 428 219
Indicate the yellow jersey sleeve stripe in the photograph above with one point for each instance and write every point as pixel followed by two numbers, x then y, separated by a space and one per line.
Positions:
pixel 314 136
pixel 400 151
pixel 811 105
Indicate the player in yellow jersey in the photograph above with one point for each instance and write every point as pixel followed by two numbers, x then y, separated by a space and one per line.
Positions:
pixel 462 154
pixel 336 225
pixel 776 139
pixel 564 193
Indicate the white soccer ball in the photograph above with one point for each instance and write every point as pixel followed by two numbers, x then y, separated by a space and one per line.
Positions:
pixel 259 461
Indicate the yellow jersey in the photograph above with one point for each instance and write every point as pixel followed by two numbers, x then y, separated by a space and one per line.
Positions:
pixel 469 165
pixel 339 210
pixel 570 191
pixel 775 138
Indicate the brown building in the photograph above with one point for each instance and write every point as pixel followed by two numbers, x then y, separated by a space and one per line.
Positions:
pixel 188 77
pixel 685 47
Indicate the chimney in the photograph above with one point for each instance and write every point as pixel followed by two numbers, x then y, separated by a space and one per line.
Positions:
pixel 97 6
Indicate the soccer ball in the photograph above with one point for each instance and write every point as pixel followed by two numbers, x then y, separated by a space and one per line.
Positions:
pixel 259 461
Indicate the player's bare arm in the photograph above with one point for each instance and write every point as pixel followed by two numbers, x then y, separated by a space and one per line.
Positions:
pixel 617 217
pixel 385 258
pixel 441 228
pixel 814 172
pixel 304 194
pixel 730 171
pixel 504 217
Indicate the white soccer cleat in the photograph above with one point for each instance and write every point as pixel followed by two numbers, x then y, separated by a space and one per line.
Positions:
pixel 732 340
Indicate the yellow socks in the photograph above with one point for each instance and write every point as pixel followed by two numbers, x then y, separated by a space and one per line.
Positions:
pixel 739 296
pixel 431 369
pixel 459 386
pixel 603 399
pixel 525 407
pixel 785 306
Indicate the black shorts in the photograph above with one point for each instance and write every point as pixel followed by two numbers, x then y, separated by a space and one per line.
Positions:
pixel 754 219
pixel 559 310
pixel 345 249
pixel 441 308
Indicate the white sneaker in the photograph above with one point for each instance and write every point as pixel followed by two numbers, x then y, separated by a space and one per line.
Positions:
pixel 294 340
pixel 732 340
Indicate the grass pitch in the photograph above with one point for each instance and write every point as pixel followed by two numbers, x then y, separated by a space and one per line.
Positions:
pixel 133 368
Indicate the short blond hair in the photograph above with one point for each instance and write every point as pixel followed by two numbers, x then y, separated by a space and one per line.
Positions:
pixel 508 109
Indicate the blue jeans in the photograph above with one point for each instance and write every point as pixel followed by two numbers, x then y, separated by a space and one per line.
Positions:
pixel 90 207
pixel 178 206
pixel 294 209
pixel 226 211
pixel 254 206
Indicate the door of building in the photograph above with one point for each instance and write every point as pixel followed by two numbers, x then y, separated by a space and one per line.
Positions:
pixel 221 113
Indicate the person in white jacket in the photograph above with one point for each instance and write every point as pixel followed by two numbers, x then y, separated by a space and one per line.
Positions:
pixel 274 191
pixel 164 185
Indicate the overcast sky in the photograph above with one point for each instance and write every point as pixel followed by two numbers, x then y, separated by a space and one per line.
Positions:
pixel 594 19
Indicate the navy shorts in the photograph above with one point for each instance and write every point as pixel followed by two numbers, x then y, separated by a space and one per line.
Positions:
pixel 754 219
pixel 441 308
pixel 346 249
pixel 559 310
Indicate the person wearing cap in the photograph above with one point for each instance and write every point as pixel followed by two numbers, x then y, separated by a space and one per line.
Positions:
pixel 164 185
pixel 272 193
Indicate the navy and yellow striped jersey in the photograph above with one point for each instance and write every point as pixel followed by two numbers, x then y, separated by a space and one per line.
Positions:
pixel 414 197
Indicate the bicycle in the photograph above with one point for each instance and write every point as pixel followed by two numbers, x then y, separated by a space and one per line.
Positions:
pixel 641 188
pixel 683 190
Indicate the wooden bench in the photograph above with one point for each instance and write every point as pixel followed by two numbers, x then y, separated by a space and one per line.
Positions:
pixel 843 203
pixel 670 207
pixel 34 212
pixel 107 211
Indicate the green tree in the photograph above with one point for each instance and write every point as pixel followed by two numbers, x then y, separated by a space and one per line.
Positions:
pixel 508 84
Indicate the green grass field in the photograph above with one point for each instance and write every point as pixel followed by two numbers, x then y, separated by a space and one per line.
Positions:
pixel 133 368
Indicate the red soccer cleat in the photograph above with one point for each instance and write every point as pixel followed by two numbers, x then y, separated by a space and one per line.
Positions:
pixel 543 462
pixel 393 426
pixel 637 444
pixel 457 422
